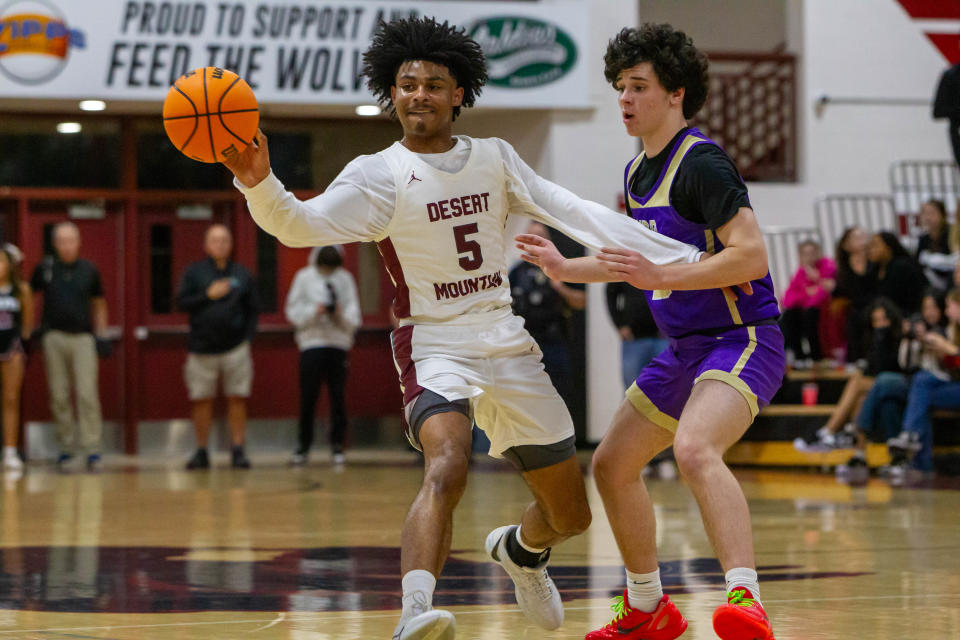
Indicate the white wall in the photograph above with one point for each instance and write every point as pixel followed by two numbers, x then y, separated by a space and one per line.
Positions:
pixel 858 49
pixel 723 25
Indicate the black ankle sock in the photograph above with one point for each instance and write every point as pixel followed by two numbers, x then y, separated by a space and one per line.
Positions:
pixel 520 555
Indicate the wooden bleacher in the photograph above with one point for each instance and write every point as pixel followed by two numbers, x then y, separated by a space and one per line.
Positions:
pixel 769 441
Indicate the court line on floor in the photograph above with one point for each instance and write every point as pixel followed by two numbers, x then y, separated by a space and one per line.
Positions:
pixel 135 626
pixel 851 598
pixel 352 615
pixel 280 618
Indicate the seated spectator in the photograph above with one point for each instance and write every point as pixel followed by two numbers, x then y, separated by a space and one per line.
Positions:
pixel 899 277
pixel 881 414
pixel 886 326
pixel 932 390
pixel 915 353
pixel 855 288
pixel 809 289
pixel 934 252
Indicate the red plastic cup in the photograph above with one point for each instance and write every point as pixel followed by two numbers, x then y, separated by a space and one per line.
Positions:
pixel 809 393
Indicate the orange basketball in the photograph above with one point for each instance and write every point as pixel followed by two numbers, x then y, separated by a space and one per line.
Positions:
pixel 210 114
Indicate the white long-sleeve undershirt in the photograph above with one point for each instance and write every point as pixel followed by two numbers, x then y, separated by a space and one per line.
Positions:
pixel 359 203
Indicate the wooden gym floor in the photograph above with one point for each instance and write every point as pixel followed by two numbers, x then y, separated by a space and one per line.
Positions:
pixel 147 551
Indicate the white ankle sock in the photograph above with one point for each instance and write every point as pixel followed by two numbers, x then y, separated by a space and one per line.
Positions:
pixel 644 590
pixel 744 578
pixel 418 586
pixel 526 546
pixel 9 452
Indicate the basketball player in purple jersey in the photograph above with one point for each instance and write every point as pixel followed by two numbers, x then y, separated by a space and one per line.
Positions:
pixel 725 359
pixel 437 206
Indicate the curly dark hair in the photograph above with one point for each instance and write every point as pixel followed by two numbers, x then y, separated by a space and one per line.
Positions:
pixel 403 40
pixel 675 60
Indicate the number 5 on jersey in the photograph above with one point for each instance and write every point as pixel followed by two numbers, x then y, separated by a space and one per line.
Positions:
pixel 475 259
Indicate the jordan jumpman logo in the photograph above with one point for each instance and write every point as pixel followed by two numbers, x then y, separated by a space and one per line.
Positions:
pixel 413 177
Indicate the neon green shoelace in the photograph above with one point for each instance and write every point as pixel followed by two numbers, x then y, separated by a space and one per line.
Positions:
pixel 738 597
pixel 619 607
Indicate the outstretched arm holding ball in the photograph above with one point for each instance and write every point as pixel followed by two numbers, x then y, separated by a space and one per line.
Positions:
pixel 211 115
pixel 345 212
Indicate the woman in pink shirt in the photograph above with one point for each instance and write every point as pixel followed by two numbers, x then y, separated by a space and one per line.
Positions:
pixel 808 290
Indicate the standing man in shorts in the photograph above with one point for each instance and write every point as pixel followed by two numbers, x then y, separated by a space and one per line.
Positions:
pixel 725 360
pixel 221 298
pixel 437 206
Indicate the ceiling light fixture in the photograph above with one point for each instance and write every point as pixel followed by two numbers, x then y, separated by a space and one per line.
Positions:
pixel 92 105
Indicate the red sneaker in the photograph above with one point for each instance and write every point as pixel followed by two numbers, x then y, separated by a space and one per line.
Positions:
pixel 742 618
pixel 665 623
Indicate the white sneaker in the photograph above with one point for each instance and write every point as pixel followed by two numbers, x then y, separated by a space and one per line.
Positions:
pixel 907 441
pixel 435 624
pixel 536 594
pixel 12 462
pixel 820 442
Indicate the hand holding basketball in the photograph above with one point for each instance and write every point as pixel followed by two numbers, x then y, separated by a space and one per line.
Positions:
pixel 251 165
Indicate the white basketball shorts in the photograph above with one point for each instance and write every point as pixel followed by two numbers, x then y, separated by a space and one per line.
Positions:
pixel 491 360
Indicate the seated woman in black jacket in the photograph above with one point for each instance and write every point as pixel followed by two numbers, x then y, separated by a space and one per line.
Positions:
pixel 899 277
pixel 883 345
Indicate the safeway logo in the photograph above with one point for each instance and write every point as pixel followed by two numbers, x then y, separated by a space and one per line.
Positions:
pixel 940 21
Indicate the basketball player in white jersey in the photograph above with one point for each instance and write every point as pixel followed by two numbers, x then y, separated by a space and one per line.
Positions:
pixel 437 207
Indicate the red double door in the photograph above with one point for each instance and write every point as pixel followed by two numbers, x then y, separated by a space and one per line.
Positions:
pixel 140 260
pixel 141 242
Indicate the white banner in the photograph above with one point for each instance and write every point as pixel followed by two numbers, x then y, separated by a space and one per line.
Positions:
pixel 289 52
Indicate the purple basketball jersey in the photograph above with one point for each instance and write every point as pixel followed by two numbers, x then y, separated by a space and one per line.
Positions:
pixel 679 313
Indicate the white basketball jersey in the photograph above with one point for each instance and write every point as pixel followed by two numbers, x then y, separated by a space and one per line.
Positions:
pixel 444 247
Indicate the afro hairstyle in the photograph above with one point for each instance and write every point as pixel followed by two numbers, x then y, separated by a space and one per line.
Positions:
pixel 404 40
pixel 675 60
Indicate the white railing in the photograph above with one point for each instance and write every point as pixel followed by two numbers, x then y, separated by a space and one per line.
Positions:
pixel 913 182
pixel 835 213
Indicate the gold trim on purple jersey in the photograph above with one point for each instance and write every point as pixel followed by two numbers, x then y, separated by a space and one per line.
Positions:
pixel 649 410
